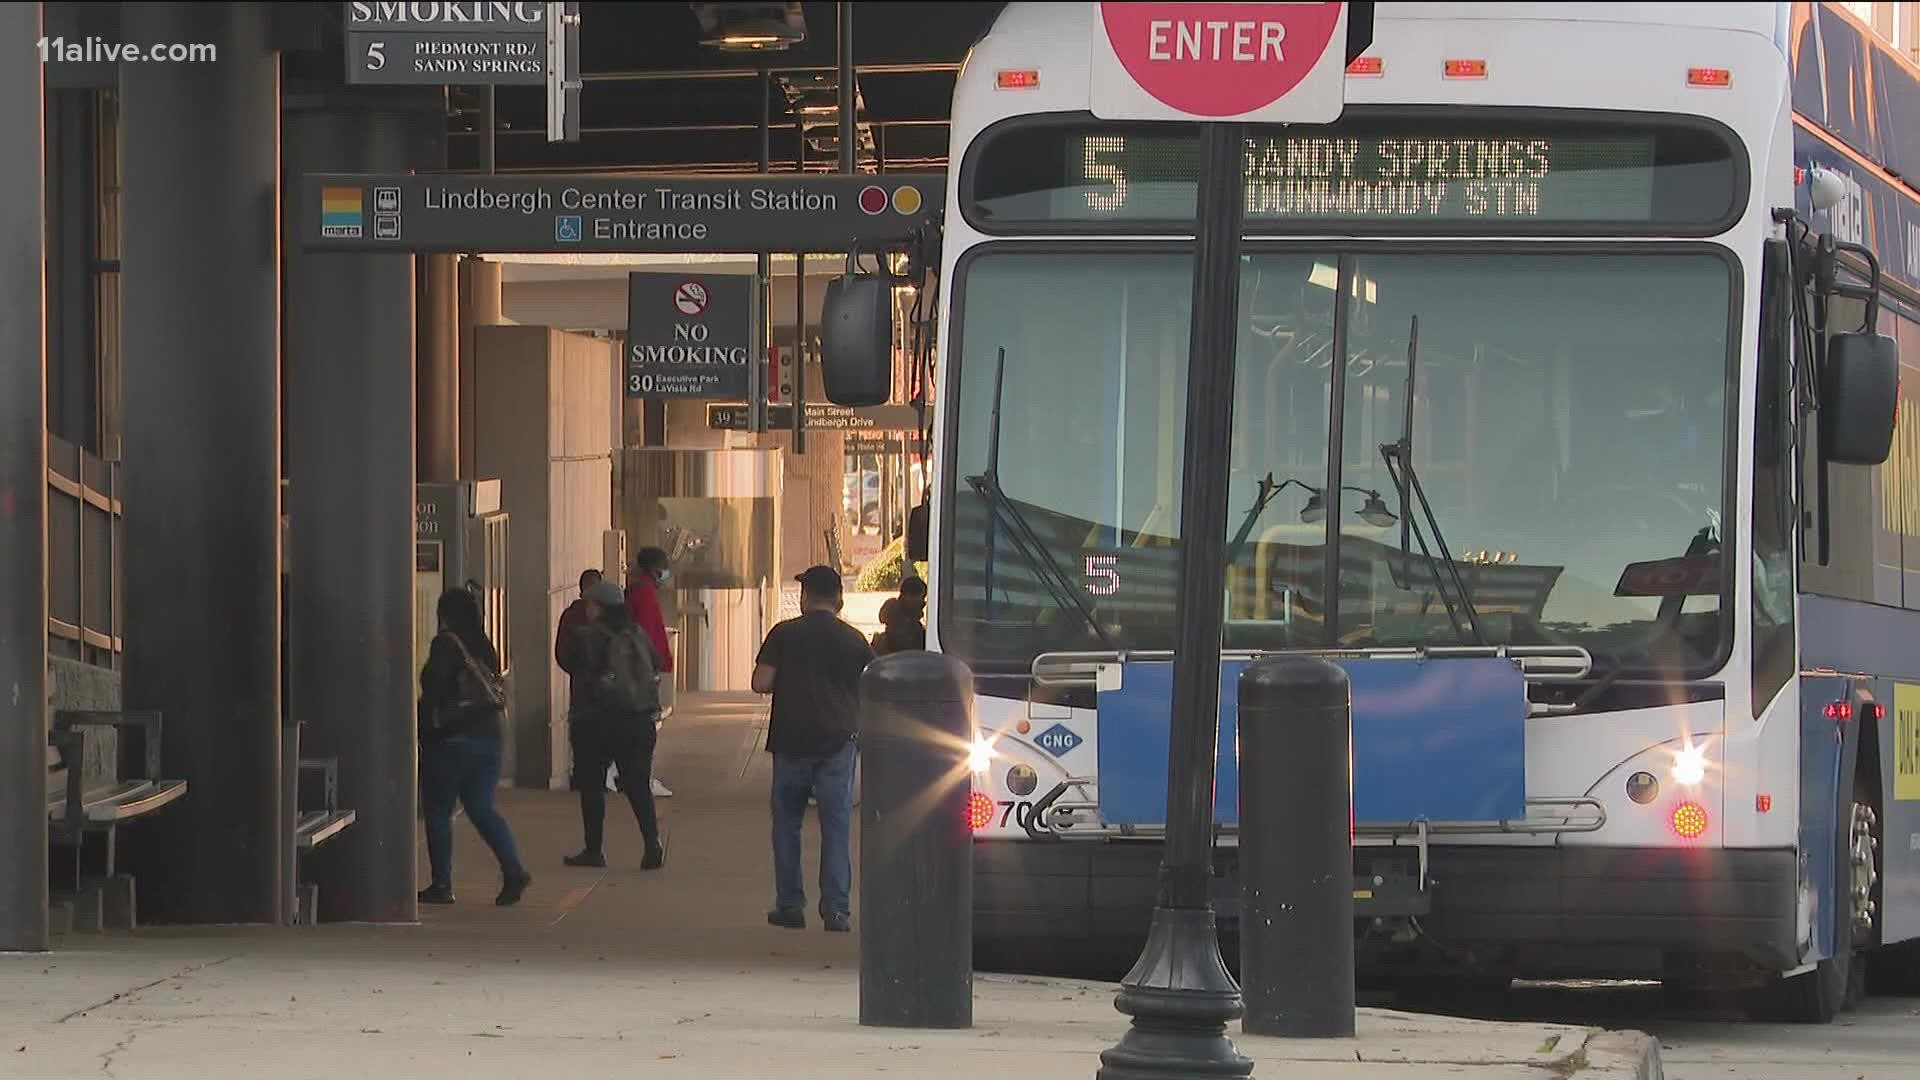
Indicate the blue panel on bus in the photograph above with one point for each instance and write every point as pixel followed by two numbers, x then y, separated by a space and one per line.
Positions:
pixel 1438 739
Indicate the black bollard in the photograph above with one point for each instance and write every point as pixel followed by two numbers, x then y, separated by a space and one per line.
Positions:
pixel 916 849
pixel 1296 848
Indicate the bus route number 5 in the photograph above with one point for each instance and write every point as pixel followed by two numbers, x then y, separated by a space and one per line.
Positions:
pixel 1103 575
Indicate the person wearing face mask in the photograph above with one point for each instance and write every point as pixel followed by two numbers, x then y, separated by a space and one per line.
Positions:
pixel 651 574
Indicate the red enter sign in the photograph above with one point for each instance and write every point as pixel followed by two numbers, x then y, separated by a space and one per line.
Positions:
pixel 1223 61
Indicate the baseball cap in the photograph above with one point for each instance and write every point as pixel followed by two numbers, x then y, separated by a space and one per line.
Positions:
pixel 820 580
pixel 607 594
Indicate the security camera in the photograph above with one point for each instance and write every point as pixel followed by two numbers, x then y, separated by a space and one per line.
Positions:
pixel 1826 187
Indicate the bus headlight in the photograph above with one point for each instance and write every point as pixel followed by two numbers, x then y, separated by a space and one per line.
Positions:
pixel 1689 765
pixel 980 756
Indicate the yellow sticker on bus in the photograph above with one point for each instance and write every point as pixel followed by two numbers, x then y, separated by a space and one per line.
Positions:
pixel 1906 742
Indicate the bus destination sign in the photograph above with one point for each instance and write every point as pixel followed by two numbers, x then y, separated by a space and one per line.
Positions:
pixel 1597 178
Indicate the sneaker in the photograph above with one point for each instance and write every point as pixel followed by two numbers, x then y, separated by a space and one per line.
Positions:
pixel 837 924
pixel 655 858
pixel 513 888
pixel 436 894
pixel 586 858
pixel 787 920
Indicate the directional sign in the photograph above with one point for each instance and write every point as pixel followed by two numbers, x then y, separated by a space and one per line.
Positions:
pixel 637 214
pixel 447 44
pixel 688 337
pixel 1263 63
pixel 820 416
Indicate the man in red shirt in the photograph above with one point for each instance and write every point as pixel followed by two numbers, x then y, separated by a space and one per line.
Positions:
pixel 650 572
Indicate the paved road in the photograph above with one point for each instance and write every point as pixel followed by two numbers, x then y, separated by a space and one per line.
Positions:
pixel 1879 1040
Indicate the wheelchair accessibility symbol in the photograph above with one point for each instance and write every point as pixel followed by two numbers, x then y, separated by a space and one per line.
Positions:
pixel 566 229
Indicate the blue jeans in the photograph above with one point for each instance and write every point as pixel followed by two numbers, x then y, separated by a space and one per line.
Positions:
pixel 467 771
pixel 830 781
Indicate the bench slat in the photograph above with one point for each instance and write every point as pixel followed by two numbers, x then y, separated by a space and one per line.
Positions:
pixel 131 799
pixel 319 826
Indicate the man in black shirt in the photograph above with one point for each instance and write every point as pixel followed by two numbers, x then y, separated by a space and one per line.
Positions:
pixel 812 665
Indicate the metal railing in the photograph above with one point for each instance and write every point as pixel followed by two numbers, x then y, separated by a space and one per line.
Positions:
pixel 84 533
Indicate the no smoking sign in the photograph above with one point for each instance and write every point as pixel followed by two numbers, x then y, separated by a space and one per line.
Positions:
pixel 690 298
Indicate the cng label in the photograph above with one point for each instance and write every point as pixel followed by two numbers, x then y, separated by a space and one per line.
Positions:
pixel 1058 741
pixel 1906 742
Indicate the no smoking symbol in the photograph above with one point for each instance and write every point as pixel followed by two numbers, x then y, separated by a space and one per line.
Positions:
pixel 690 298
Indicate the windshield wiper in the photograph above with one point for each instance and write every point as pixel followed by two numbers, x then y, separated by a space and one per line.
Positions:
pixel 987 485
pixel 1406 481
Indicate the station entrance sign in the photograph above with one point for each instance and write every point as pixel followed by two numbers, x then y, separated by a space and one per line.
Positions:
pixel 1256 63
pixel 617 215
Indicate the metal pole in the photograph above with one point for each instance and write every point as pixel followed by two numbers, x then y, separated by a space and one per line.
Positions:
pixel 797 400
pixel 1336 441
pixel 1296 862
pixel 488 127
pixel 1180 994
pixel 849 91
pixel 23 505
pixel 762 332
pixel 916 856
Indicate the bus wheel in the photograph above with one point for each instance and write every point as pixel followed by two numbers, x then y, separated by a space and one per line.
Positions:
pixel 1817 996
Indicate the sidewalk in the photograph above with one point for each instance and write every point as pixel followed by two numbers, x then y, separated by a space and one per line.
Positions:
pixel 602 972
pixel 394 1002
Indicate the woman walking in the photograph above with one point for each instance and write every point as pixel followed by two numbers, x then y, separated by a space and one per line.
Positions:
pixel 461 699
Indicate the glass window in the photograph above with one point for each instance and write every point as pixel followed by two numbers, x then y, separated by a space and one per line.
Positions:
pixel 1568 437
pixel 1774 659
pixel 1569 433
pixel 1066 474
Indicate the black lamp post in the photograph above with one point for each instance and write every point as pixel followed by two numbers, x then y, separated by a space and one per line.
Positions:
pixel 1180 995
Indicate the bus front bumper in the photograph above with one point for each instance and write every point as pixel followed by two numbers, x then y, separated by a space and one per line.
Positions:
pixel 1608 912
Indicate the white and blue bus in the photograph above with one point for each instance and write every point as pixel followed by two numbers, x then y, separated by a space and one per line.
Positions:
pixel 1563 401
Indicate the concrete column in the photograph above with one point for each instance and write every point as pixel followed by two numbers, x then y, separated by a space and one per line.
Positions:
pixel 479 306
pixel 350 450
pixel 437 382
pixel 23 503
pixel 200 270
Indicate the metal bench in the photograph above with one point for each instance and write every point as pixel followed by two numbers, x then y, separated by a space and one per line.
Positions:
pixel 315 819
pixel 103 772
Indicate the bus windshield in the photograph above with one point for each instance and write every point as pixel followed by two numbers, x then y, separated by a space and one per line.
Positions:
pixel 1569 433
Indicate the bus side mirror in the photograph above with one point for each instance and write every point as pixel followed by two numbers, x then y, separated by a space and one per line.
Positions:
pixel 856 340
pixel 1859 398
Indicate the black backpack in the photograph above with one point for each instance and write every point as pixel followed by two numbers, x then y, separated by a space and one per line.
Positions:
pixel 630 682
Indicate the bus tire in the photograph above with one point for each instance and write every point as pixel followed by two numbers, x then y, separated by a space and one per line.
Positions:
pixel 1817 996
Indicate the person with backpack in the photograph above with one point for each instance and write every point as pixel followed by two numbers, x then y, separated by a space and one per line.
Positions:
pixel 615 722
pixel 462 697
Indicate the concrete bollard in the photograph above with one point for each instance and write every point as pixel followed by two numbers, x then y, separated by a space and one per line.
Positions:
pixel 1296 848
pixel 916 850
